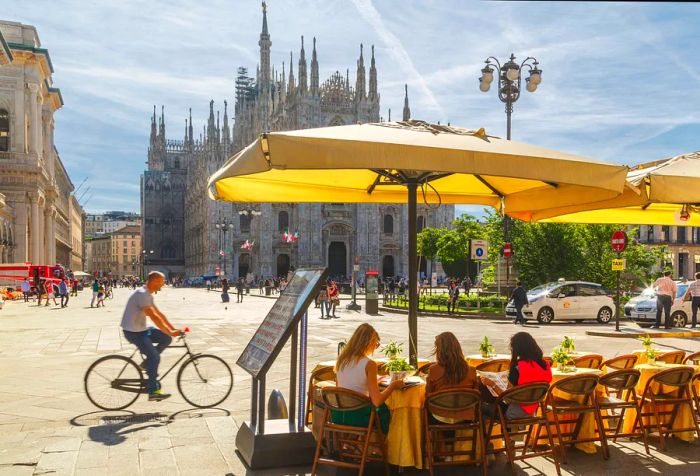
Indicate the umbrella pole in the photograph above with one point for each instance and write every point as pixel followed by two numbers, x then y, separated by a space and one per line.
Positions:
pixel 412 274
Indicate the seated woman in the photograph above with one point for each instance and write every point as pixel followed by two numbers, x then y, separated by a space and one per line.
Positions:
pixel 449 372
pixel 355 370
pixel 526 366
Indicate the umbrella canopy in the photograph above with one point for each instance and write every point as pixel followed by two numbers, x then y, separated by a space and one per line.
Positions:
pixel 380 163
pixel 81 273
pixel 665 192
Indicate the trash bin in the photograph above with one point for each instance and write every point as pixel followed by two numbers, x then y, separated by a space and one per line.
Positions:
pixel 268 290
pixel 372 292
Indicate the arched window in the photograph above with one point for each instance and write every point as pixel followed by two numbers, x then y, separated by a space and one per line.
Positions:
pixel 244 222
pixel 176 163
pixel 388 225
pixel 4 130
pixel 282 221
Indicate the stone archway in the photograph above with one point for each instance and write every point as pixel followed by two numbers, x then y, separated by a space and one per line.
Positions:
pixel 388 268
pixel 283 264
pixel 337 259
pixel 243 265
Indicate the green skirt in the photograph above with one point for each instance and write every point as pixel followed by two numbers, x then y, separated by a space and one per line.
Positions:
pixel 360 417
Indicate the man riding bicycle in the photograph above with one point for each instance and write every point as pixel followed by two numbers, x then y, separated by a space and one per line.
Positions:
pixel 149 340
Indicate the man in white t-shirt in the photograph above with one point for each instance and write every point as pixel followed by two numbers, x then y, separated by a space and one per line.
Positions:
pixel 150 341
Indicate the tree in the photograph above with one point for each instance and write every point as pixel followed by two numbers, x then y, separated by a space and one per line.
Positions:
pixel 428 245
pixel 453 245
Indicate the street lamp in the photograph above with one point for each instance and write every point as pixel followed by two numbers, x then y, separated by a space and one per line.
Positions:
pixel 144 255
pixel 510 76
pixel 223 226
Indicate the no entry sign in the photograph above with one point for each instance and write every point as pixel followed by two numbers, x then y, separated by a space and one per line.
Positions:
pixel 619 241
pixel 507 250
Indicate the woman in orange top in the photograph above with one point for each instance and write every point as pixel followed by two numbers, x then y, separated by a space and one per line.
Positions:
pixel 333 296
pixel 450 371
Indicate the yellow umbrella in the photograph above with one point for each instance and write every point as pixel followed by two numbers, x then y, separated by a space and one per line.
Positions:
pixel 377 163
pixel 665 192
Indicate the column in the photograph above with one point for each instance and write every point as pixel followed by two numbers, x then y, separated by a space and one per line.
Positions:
pixel 36 235
pixel 48 220
pixel 34 132
pixel 52 237
pixel 48 143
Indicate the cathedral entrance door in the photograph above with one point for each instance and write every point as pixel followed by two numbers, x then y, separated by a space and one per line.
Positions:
pixel 337 259
pixel 282 265
pixel 388 266
pixel 243 265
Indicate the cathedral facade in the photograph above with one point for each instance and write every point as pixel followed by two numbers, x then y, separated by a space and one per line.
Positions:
pixel 187 234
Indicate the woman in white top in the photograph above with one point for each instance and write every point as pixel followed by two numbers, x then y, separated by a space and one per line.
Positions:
pixel 355 370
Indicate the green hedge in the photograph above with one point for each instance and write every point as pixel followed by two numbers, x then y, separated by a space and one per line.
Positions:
pixel 463 300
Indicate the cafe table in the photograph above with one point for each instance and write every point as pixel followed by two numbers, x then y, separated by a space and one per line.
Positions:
pixel 642 355
pixel 378 360
pixel 684 417
pixel 405 438
pixel 475 359
pixel 588 425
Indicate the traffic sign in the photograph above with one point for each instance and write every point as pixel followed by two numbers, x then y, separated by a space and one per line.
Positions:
pixel 507 250
pixel 619 241
pixel 619 264
pixel 479 250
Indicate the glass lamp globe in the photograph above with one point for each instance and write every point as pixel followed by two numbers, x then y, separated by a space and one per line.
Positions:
pixel 531 87
pixel 512 74
pixel 484 86
pixel 487 75
pixel 536 76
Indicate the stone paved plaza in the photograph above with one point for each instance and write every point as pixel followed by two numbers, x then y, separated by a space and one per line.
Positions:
pixel 48 426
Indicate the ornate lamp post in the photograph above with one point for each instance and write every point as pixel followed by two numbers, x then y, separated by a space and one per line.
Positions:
pixel 223 226
pixel 144 255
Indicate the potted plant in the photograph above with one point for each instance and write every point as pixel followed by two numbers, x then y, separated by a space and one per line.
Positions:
pixel 561 358
pixel 651 356
pixel 392 350
pixel 646 342
pixel 399 369
pixel 568 345
pixel 486 348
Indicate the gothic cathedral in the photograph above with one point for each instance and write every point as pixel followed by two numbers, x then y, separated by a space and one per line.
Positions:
pixel 186 234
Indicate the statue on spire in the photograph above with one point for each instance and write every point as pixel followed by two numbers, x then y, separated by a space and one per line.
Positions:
pixel 406 109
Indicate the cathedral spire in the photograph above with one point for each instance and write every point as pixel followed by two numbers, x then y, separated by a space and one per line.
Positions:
pixel 302 69
pixel 186 139
pixel 373 79
pixel 265 44
pixel 291 74
pixel 218 128
pixel 210 124
pixel 162 126
pixel 226 132
pixel 190 128
pixel 360 93
pixel 314 71
pixel 264 25
pixel 347 79
pixel 406 109
pixel 283 87
pixel 153 127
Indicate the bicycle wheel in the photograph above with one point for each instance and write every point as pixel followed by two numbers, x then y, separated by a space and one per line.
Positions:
pixel 205 381
pixel 113 382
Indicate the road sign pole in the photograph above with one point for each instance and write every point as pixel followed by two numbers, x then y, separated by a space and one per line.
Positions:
pixel 617 310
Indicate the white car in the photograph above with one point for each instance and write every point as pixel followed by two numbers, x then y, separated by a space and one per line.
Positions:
pixel 567 301
pixel 642 309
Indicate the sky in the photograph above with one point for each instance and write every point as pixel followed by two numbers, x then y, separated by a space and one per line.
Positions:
pixel 619 80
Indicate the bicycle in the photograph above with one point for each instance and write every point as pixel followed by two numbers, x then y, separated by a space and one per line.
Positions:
pixel 114 382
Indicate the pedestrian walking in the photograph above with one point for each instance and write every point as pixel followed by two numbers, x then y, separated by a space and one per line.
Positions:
pixel 224 290
pixel 334 297
pixel 693 295
pixel 95 289
pixel 467 284
pixel 666 290
pixel 323 300
pixel 48 286
pixel 454 296
pixel 100 295
pixel 239 290
pixel 519 298
pixel 63 292
pixel 74 287
pixel 25 289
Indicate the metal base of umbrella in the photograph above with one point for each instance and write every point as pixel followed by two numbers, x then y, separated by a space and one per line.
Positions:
pixel 282 445
pixel 353 306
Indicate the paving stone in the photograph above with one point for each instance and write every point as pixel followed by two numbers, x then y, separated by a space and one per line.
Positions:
pixel 61 462
pixel 153 459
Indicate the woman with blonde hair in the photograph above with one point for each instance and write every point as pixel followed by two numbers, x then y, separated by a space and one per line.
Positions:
pixel 451 371
pixel 355 370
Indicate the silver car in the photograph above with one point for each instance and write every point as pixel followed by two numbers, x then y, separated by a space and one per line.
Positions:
pixel 642 309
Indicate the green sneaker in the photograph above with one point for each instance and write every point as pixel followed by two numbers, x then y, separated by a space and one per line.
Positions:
pixel 157 395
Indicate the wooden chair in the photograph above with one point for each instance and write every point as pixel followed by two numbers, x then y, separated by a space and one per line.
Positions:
pixel 589 361
pixel 673 357
pixel 620 362
pixel 320 374
pixel 667 388
pixel 529 394
pixel 496 365
pixel 695 386
pixel 613 408
pixel 351 444
pixel 571 412
pixel 442 439
pixel 692 359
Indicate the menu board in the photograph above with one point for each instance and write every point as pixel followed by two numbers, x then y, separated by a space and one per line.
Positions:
pixel 279 323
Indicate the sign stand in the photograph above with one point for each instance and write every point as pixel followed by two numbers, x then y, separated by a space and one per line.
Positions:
pixel 619 243
pixel 265 443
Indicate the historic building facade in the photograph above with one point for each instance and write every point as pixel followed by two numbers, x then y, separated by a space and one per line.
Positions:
pixel 191 235
pixel 35 185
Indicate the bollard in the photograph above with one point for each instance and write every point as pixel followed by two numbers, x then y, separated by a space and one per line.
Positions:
pixel 276 406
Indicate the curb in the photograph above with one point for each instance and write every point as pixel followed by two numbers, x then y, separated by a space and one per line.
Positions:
pixel 636 335
pixel 493 317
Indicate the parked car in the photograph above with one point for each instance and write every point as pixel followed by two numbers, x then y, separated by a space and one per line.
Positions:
pixel 642 309
pixel 567 300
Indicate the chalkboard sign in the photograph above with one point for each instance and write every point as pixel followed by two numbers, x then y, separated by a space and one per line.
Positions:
pixel 277 326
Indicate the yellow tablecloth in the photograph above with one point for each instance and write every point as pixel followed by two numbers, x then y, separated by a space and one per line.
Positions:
pixel 587 429
pixel 642 356
pixel 405 438
pixel 475 359
pixel 378 360
pixel 684 417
